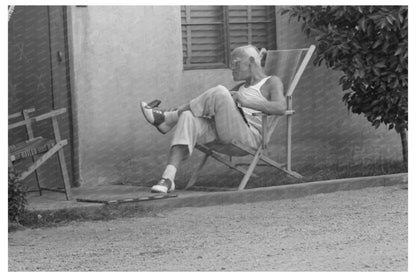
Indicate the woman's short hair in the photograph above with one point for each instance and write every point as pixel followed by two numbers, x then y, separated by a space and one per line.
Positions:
pixel 250 51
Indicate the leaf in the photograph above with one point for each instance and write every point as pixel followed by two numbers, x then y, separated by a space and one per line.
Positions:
pixel 398 51
pixel 385 46
pixel 383 24
pixel 389 19
pixel 369 45
pixel 345 97
pixel 380 64
pixel 377 43
pixel 400 17
pixel 346 85
pixel 370 29
pixel 375 102
pixel 284 11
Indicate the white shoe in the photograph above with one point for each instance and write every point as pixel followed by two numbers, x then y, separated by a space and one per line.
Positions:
pixel 164 186
pixel 155 117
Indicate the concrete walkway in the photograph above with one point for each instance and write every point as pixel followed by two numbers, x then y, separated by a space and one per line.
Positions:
pixel 52 207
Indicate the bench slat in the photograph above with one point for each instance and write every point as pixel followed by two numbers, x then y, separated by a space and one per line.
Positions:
pixel 30 148
pixel 37 118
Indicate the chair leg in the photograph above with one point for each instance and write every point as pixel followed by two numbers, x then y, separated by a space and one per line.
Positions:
pixel 222 160
pixel 289 136
pixel 195 174
pixel 250 169
pixel 281 167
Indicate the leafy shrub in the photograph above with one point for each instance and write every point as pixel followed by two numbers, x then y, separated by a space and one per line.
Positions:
pixel 369 44
pixel 17 197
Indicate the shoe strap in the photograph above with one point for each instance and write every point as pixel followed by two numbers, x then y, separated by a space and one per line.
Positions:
pixel 163 181
pixel 159 117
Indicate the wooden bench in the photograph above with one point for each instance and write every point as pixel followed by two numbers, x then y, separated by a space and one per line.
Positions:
pixel 39 145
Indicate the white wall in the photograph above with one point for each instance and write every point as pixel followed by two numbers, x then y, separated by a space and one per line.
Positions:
pixel 125 54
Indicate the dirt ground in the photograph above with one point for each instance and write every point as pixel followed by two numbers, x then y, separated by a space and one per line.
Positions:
pixel 362 230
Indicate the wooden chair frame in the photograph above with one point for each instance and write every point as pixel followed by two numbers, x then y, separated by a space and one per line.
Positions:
pixel 56 148
pixel 212 150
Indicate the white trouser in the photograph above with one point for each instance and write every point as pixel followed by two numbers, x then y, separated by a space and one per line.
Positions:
pixel 214 116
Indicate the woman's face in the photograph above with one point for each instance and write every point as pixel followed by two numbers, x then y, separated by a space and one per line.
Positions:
pixel 240 67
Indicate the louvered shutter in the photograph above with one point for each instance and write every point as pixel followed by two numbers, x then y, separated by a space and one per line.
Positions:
pixel 209 33
pixel 203 38
pixel 252 25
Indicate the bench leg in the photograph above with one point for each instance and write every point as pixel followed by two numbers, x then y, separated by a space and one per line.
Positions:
pixel 65 176
pixel 37 179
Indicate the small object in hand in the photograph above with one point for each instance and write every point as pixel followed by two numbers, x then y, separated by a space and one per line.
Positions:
pixel 155 103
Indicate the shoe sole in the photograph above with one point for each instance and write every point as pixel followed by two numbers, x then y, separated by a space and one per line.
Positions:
pixel 142 104
pixel 162 189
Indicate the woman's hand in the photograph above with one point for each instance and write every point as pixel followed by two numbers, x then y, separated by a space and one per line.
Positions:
pixel 234 96
pixel 241 99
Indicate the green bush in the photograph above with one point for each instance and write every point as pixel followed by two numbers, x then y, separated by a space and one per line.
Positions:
pixel 17 197
pixel 369 44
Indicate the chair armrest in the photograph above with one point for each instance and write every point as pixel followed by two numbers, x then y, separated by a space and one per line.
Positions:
pixel 288 112
pixel 264 124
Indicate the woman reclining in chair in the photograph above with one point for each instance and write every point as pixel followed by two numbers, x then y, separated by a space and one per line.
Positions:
pixel 216 113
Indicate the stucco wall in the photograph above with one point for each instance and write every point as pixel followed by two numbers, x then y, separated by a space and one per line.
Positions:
pixel 123 55
pixel 126 54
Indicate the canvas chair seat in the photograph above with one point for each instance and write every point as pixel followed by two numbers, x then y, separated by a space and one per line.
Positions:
pixel 289 66
pixel 229 149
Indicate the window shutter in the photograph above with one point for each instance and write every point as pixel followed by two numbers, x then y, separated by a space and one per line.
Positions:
pixel 252 25
pixel 203 38
pixel 210 33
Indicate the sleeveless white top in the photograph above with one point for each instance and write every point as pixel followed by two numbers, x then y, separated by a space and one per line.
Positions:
pixel 253 92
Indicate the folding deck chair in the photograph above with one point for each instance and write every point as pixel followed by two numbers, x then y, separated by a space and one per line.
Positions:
pixel 39 145
pixel 289 65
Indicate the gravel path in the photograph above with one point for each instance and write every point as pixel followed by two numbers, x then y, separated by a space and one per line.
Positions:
pixel 362 230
